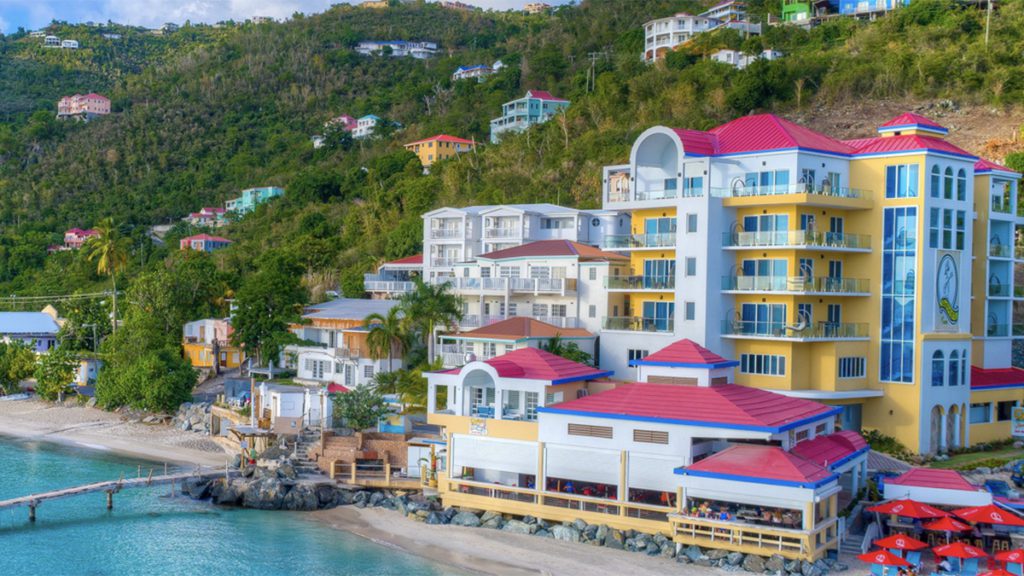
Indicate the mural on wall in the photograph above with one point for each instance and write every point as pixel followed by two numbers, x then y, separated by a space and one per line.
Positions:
pixel 947 292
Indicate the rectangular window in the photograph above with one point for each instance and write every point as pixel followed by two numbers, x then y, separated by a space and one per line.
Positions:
pixel 593 273
pixel 762 319
pixel 981 413
pixel 591 431
pixel 899 272
pixel 693 187
pixel 554 398
pixel 934 226
pixel 368 371
pixel 1004 410
pixel 961 226
pixel 805 313
pixel 947 229
pixel 690 309
pixel 691 223
pixel 852 367
pixel 691 266
pixel 592 311
pixel 650 436
pixel 636 354
pixel 531 406
pixel 901 181
pixel 540 310
pixel 763 364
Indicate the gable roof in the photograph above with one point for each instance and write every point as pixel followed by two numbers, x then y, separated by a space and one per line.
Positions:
pixel 723 406
pixel 760 464
pixel 27 323
pixel 910 120
pixel 906 143
pixel 349 309
pixel 832 450
pixel 205 237
pixel 933 478
pixel 443 138
pixel 697 142
pixel 983 166
pixel 542 248
pixel 995 378
pixel 536 364
pixel 522 328
pixel 770 132
pixel 685 354
pixel 415 259
pixel 543 95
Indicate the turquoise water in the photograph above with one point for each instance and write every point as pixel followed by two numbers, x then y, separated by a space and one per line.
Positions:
pixel 151 534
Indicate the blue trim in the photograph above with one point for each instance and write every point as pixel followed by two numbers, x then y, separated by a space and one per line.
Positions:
pixel 916 151
pixel 847 458
pixel 683 471
pixel 1009 173
pixel 996 387
pixel 791 149
pixel 727 364
pixel 775 430
pixel 580 378
pixel 925 127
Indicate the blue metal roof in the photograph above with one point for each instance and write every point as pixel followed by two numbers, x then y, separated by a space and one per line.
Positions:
pixel 27 323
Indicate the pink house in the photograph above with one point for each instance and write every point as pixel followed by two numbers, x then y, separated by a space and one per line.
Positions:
pixel 347 122
pixel 213 217
pixel 76 237
pixel 203 242
pixel 85 106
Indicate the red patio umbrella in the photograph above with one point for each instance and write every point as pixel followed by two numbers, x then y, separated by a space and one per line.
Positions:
pixel 997 572
pixel 990 514
pixel 947 524
pixel 883 557
pixel 900 542
pixel 908 509
pixel 959 550
pixel 1015 556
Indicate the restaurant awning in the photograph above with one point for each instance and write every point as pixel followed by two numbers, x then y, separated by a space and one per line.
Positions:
pixel 884 558
pixel 990 514
pixel 908 509
pixel 959 550
pixel 900 542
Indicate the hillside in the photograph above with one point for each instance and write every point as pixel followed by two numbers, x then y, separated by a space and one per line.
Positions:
pixel 232 108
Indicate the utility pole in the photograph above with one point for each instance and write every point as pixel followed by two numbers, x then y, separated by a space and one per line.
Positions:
pixel 988 20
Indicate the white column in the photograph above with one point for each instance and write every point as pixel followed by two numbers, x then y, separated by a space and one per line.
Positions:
pixel 942 432
pixel 431 398
pixel 498 394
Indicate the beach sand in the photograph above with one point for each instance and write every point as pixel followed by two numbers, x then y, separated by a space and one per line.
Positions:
pixel 99 430
pixel 492 552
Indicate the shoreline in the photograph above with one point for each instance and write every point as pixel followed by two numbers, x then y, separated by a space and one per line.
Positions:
pixel 98 430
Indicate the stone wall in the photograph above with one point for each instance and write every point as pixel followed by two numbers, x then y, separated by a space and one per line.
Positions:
pixel 345 448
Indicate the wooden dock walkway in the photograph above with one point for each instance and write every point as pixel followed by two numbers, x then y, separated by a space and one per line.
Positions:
pixel 111 487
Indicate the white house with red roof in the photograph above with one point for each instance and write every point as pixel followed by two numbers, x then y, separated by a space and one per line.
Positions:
pixel 536 107
pixel 504 336
pixel 75 238
pixel 207 217
pixel 203 243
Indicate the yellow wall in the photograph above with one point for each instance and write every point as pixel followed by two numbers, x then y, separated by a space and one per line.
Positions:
pixel 432 151
pixel 201 356
pixel 510 429
pixel 994 430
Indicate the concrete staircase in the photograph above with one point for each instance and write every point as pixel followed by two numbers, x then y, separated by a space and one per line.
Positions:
pixel 304 465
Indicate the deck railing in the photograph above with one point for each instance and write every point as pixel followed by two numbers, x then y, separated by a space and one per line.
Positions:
pixel 640 282
pixel 826 191
pixel 798 238
pixel 638 324
pixel 802 284
pixel 656 240
pixel 819 331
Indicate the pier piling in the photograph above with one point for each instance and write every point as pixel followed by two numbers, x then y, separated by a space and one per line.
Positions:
pixel 32 513
pixel 110 499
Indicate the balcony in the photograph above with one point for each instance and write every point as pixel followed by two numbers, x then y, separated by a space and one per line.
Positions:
pixel 442 262
pixel 822 331
pixel 825 196
pixel 388 286
pixel 479 284
pixel 543 285
pixel 823 285
pixel 446 233
pixel 797 239
pixel 643 241
pixel 470 321
pixel 637 324
pixel 654 283
pixel 1001 205
pixel 503 233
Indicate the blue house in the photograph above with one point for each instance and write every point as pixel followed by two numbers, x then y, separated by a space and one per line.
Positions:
pixel 855 7
pixel 252 198
pixel 536 107
pixel 37 329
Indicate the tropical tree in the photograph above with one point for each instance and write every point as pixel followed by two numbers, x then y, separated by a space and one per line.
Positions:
pixel 109 250
pixel 386 334
pixel 360 408
pixel 17 362
pixel 429 306
pixel 412 386
pixel 567 350
pixel 55 373
pixel 268 303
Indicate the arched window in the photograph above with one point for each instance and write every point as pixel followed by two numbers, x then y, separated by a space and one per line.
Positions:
pixel 936 181
pixel 938 368
pixel 954 368
pixel 963 368
pixel 961 185
pixel 947 189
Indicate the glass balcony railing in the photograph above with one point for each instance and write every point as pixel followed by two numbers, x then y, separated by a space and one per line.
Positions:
pixel 637 324
pixel 640 282
pixel 1001 205
pixel 1000 251
pixel 814 331
pixel 620 241
pixel 445 233
pixel 997 290
pixel 800 284
pixel 829 191
pixel 796 238
pixel 502 233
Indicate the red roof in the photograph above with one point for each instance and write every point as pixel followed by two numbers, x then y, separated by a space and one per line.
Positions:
pixel 542 248
pixel 520 327
pixel 909 119
pixel 95 95
pixel 544 95
pixel 725 406
pixel 205 237
pixel 832 449
pixel 408 260
pixel 883 557
pixel 984 165
pixel 80 232
pixel 996 377
pixel 900 542
pixel 696 142
pixel 770 132
pixel 536 364
pixel 759 463
pixel 334 388
pixel 933 478
pixel 686 354
pixel 907 509
pixel 905 143
pixel 443 138
pixel 989 514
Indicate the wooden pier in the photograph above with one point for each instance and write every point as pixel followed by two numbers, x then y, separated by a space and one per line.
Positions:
pixel 111 487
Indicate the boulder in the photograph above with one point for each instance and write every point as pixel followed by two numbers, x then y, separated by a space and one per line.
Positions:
pixel 614 539
pixel 600 534
pixel 287 472
pixel 466 519
pixel 265 494
pixel 754 563
pixel 717 553
pixel 565 533
pixel 225 494
pixel 668 550
pixel 492 520
pixel 529 520
pixel 683 559
pixel 519 527
pixel 326 496
pixel 542 533
pixel 579 525
pixel 775 564
pixel 839 567
pixel 702 561
pixel 301 497
pixel 196 488
pixel 375 499
pixel 734 558
pixel 793 566
pixel 590 532
pixel 435 518
pixel 693 553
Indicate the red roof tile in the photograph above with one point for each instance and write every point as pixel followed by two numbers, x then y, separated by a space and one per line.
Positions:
pixel 542 248
pixel 536 364
pixel 685 353
pixel 544 95
pixel 905 143
pixel 520 327
pixel 982 378
pixel 443 138
pixel 933 478
pixel 724 406
pixel 697 142
pixel 909 119
pixel 408 260
pixel 758 463
pixel 770 132
pixel 833 449
pixel 984 165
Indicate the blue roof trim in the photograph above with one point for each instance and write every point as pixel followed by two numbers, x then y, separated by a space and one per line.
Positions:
pixel 917 151
pixel 996 387
pixel 848 457
pixel 791 149
pixel 925 127
pixel 580 378
pixel 1009 173
pixel 683 471
pixel 769 429
pixel 641 362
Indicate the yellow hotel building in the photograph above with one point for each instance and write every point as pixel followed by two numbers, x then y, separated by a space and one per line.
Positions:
pixel 876 275
pixel 437 148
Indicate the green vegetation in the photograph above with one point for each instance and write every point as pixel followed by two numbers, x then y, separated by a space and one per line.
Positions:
pixel 17 362
pixel 360 408
pixel 55 373
pixel 887 445
pixel 568 350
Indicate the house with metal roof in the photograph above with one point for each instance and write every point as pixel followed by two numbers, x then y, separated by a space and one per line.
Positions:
pixel 36 329
pixel 536 107
pixel 504 336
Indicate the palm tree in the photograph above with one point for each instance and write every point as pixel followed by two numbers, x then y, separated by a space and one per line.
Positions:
pixel 109 249
pixel 429 306
pixel 568 350
pixel 386 334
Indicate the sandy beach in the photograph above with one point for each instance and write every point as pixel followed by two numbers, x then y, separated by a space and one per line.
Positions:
pixel 99 430
pixel 496 553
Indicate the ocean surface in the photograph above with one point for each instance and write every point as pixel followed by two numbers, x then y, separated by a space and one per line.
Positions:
pixel 151 534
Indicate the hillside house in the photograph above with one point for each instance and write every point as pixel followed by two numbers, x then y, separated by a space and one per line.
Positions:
pixel 440 147
pixel 393 278
pixel 365 126
pixel 36 329
pixel 665 34
pixel 536 107
pixel 397 48
pixel 51 42
pixel 69 44
pixel 207 344
pixel 84 106
pixel 740 60
pixel 251 198
pixel 75 238
pixel 478 71
pixel 537 8
pixel 203 243
pixel 208 217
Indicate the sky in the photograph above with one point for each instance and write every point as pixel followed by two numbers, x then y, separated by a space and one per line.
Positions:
pixel 33 14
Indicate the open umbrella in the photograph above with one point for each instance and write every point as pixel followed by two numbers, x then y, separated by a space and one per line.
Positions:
pixel 908 509
pixel 959 550
pixel 900 542
pixel 883 558
pixel 1014 560
pixel 947 525
pixel 997 572
pixel 990 514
